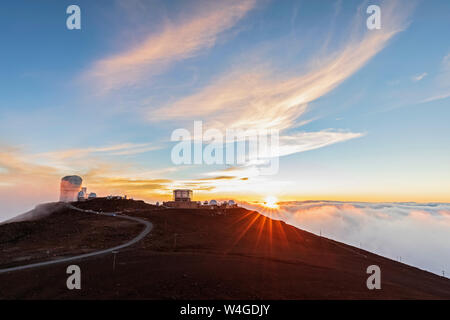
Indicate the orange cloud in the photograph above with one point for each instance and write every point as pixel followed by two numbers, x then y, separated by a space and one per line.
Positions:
pixel 261 98
pixel 30 179
pixel 176 42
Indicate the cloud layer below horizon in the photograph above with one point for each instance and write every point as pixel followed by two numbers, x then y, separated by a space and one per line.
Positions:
pixel 416 232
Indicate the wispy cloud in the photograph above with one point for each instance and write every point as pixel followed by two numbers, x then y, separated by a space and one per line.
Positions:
pixel 118 149
pixel 260 97
pixel 24 183
pixel 419 77
pixel 28 179
pixel 144 188
pixel 446 62
pixel 305 141
pixel 436 97
pixel 177 41
pixel 442 82
pixel 16 165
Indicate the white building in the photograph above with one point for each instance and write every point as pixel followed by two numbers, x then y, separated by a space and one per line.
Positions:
pixel 184 195
pixel 70 187
pixel 182 198
pixel 71 190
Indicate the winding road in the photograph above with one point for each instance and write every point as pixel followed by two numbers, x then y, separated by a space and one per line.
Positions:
pixel 147 229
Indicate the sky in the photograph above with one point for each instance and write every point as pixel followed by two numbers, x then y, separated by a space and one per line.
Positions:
pixel 362 114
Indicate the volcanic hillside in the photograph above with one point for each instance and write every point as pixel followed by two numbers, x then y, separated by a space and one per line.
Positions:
pixel 195 254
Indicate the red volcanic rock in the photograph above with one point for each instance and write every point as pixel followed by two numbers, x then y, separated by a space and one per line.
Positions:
pixel 203 254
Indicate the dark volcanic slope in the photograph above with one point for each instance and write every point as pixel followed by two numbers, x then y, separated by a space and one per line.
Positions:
pixel 199 254
pixel 65 232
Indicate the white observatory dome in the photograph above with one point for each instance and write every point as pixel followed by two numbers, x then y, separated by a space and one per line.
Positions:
pixel 92 195
pixel 231 203
pixel 213 203
pixel 70 186
pixel 81 195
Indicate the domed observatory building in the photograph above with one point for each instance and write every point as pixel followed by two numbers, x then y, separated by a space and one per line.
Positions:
pixel 82 195
pixel 70 187
pixel 232 204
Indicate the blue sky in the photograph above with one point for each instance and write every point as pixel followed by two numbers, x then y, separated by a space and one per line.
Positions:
pixel 103 101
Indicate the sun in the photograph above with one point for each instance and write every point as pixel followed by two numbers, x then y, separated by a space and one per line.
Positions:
pixel 271 202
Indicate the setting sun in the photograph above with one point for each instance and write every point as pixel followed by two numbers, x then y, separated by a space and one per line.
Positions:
pixel 271 202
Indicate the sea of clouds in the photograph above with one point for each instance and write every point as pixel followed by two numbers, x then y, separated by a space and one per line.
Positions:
pixel 415 233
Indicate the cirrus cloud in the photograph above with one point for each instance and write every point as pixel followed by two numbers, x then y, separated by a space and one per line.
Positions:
pixel 177 41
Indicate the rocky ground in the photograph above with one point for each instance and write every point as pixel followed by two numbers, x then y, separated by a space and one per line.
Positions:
pixel 196 254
